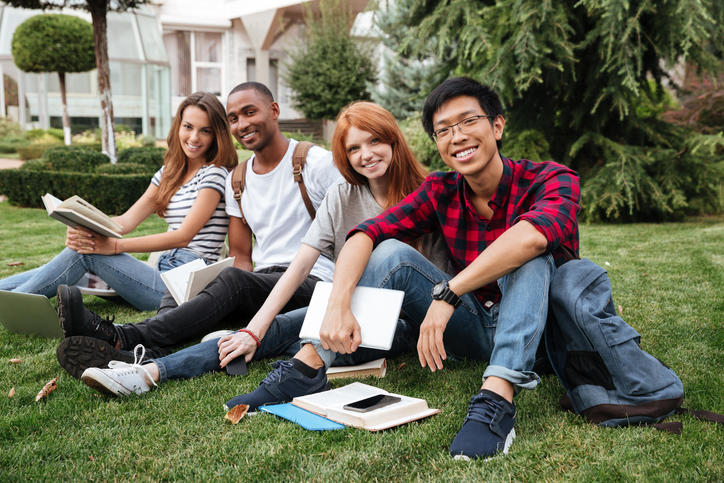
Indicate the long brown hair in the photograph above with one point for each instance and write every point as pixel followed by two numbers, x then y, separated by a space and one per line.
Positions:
pixel 220 153
pixel 405 173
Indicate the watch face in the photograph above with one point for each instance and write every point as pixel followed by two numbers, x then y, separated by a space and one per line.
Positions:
pixel 438 289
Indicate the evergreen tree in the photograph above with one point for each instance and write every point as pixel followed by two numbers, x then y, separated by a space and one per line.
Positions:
pixel 55 43
pixel 331 70
pixel 576 72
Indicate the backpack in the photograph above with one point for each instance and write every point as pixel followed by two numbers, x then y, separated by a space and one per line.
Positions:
pixel 299 158
pixel 608 378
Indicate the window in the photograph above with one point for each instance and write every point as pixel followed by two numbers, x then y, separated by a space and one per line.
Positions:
pixel 202 71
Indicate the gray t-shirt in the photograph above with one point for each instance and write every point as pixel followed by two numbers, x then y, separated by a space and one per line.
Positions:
pixel 343 208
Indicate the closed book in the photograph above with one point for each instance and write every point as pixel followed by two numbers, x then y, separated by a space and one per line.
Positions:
pixel 376 368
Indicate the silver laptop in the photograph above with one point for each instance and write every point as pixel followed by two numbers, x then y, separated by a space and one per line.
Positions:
pixel 31 314
pixel 376 311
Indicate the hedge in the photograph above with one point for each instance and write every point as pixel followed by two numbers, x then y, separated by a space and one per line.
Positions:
pixel 111 194
pixel 74 158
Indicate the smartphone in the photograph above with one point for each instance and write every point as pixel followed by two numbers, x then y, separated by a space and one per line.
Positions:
pixel 371 403
pixel 237 367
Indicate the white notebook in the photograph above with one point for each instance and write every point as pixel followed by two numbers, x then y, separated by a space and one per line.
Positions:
pixel 376 311
pixel 187 280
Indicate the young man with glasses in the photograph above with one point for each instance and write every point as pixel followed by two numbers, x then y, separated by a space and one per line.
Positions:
pixel 506 223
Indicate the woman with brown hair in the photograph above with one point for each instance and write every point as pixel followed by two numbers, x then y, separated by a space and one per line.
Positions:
pixel 187 192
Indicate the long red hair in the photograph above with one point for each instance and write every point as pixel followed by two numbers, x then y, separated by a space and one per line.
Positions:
pixel 220 153
pixel 405 172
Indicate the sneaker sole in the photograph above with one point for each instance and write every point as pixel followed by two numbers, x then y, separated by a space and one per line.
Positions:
pixel 78 353
pixel 506 447
pixel 96 379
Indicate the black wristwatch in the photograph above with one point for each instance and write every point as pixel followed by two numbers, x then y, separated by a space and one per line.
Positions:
pixel 441 291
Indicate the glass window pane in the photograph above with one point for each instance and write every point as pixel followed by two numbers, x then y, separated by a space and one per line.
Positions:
pixel 208 47
pixel 179 56
pixel 250 69
pixel 126 79
pixel 209 79
pixel 121 38
pixel 151 37
pixel 75 83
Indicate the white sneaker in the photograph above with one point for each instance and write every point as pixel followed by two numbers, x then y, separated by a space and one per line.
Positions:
pixel 121 378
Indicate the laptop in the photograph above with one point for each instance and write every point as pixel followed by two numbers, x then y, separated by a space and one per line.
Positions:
pixel 376 311
pixel 31 314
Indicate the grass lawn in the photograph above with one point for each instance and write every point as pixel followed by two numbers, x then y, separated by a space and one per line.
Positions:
pixel 668 278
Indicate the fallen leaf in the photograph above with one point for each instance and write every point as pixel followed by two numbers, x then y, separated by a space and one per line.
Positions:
pixel 90 457
pixel 12 392
pixel 236 413
pixel 401 365
pixel 15 264
pixel 49 387
pixel 620 310
pixel 15 361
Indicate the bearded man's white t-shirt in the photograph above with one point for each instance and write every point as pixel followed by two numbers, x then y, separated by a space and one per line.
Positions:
pixel 274 209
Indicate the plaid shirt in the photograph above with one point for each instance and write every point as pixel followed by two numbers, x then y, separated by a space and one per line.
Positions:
pixel 545 194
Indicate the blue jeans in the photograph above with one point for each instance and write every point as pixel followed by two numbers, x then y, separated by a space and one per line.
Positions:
pixel 282 339
pixel 138 283
pixel 507 334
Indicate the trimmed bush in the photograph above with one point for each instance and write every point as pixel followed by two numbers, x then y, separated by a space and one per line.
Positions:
pixel 9 128
pixel 11 144
pixel 74 158
pixel 111 194
pixel 35 134
pixel 126 168
pixel 36 165
pixel 35 150
pixel 150 156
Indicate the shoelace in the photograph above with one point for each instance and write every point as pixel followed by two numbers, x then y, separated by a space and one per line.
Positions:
pixel 483 410
pixel 280 367
pixel 136 363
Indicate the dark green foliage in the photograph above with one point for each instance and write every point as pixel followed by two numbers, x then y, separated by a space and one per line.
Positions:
pixel 150 156
pixel 54 43
pixel 331 70
pixel 424 148
pixel 588 76
pixel 34 150
pixel 110 194
pixel 529 144
pixel 126 168
pixel 36 165
pixel 74 158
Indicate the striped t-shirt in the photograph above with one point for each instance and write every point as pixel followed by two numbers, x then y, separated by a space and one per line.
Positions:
pixel 208 241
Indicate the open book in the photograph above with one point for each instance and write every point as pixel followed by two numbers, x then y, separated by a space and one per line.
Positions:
pixel 376 368
pixel 330 404
pixel 186 281
pixel 376 311
pixel 76 211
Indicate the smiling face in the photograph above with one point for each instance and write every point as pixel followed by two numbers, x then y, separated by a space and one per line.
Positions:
pixel 195 133
pixel 252 118
pixel 472 152
pixel 367 155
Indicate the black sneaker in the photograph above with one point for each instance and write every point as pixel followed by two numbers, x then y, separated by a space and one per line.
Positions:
pixel 79 352
pixel 282 384
pixel 75 319
pixel 488 428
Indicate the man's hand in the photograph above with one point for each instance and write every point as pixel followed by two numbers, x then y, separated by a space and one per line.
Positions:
pixel 236 345
pixel 430 347
pixel 340 331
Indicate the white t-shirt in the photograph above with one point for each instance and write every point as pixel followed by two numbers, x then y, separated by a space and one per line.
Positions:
pixel 274 209
pixel 208 241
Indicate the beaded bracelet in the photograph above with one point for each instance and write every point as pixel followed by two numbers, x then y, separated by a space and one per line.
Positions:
pixel 252 335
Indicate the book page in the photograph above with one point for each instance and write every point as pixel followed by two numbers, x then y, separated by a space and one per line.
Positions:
pixel 177 279
pixel 321 402
pixel 79 205
pixel 200 278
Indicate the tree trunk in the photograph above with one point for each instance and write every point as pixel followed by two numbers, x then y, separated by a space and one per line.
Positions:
pixel 63 100
pixel 98 10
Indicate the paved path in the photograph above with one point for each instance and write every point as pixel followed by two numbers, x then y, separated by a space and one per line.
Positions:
pixel 10 163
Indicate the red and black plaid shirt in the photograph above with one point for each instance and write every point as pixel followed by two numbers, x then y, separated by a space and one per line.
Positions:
pixel 545 194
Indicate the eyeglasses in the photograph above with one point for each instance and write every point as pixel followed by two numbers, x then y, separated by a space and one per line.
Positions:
pixel 463 126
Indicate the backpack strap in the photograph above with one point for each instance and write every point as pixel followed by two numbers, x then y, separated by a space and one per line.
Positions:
pixel 299 158
pixel 238 178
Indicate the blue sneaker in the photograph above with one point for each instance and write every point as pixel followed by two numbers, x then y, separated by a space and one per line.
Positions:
pixel 282 384
pixel 488 428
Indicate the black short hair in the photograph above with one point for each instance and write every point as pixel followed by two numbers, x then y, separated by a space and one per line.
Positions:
pixel 455 87
pixel 257 86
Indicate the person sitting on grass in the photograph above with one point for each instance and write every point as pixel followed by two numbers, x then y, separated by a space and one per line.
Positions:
pixel 506 224
pixel 379 170
pixel 187 192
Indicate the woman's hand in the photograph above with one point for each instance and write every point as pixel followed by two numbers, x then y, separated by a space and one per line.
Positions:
pixel 236 345
pixel 86 241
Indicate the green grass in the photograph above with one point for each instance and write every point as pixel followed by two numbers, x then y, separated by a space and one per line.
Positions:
pixel 668 278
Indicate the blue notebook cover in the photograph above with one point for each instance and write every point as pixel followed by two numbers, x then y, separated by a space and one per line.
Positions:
pixel 302 417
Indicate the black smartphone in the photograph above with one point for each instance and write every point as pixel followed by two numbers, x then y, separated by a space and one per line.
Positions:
pixel 237 367
pixel 371 403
